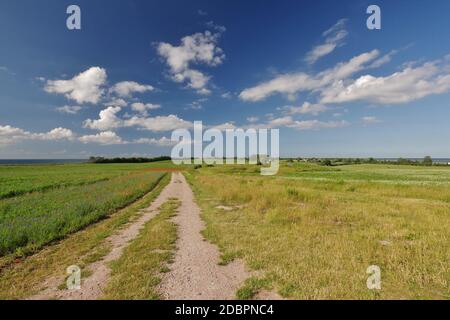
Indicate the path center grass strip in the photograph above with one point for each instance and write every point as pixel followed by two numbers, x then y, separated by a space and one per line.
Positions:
pixel 135 274
pixel 30 221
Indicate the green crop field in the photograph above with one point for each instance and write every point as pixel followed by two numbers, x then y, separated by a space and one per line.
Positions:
pixel 313 231
pixel 42 203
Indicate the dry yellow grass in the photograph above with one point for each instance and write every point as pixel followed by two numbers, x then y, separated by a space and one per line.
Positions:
pixel 315 239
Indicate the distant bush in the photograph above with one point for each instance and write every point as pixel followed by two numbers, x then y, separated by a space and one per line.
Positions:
pixel 127 160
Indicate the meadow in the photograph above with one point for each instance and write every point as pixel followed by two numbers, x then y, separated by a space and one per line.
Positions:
pixel 44 203
pixel 312 231
pixel 309 232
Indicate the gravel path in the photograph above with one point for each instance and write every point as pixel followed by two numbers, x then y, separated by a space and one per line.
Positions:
pixel 195 273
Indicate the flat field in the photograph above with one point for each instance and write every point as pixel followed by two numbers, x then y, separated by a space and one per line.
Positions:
pixel 42 203
pixel 312 231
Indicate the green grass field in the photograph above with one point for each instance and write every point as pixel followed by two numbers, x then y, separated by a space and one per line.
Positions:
pixel 313 230
pixel 39 204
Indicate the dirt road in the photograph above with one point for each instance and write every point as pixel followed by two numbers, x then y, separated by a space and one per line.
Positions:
pixel 195 273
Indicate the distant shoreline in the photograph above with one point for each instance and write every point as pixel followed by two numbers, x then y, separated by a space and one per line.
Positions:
pixel 69 161
pixel 41 161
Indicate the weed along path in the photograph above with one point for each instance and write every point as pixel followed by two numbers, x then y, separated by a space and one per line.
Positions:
pixel 195 273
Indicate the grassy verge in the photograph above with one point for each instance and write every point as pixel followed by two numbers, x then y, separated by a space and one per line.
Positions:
pixel 135 274
pixel 21 278
pixel 316 239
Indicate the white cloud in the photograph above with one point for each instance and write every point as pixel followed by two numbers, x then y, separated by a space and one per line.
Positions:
pixel 219 28
pixel 306 108
pixel 162 142
pixel 126 88
pixel 292 83
pixel 289 122
pixel 116 102
pixel 69 109
pixel 107 120
pixel 159 123
pixel 400 87
pixel 224 126
pixel 370 120
pixel 334 37
pixel 103 138
pixel 10 135
pixel 384 59
pixel 143 108
pixel 199 48
pixel 84 87
pixel 56 134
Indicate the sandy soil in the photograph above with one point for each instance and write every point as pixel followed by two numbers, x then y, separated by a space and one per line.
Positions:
pixel 195 273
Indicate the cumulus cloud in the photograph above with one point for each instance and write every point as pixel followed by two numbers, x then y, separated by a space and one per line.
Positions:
pixel 334 37
pixel 410 84
pixel 85 87
pixel 10 135
pixel 159 123
pixel 103 138
pixel 56 134
pixel 143 108
pixel 199 48
pixel 305 108
pixel 69 109
pixel 108 119
pixel 127 88
pixel 292 83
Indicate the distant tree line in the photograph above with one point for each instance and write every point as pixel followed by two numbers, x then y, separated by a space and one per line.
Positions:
pixel 426 161
pixel 127 160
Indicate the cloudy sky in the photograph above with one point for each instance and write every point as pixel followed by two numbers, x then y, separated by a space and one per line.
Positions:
pixel 139 69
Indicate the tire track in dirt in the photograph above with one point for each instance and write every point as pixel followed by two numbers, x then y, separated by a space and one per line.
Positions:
pixel 195 273
pixel 92 287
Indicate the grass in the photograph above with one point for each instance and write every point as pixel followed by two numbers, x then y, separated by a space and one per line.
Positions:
pixel 30 221
pixel 136 273
pixel 23 277
pixel 313 230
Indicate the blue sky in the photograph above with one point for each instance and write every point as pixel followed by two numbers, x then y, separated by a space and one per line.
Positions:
pixel 139 69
